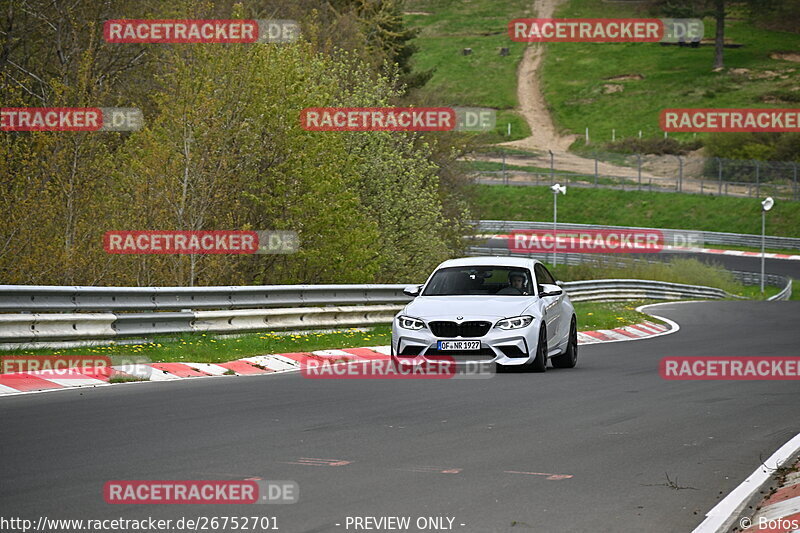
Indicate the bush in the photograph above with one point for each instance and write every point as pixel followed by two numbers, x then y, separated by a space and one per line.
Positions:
pixel 666 146
pixel 740 150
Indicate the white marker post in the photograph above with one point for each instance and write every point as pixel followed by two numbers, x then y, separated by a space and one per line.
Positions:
pixel 557 188
pixel 766 205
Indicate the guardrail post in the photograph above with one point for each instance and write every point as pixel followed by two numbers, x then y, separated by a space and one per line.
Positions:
pixel 758 178
pixel 639 159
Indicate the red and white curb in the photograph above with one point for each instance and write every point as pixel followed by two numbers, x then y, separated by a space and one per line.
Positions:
pixel 713 251
pixel 624 333
pixel 48 380
pixel 741 253
pixel 778 513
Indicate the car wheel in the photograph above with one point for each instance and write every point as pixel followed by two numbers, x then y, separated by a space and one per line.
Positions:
pixel 570 357
pixel 539 363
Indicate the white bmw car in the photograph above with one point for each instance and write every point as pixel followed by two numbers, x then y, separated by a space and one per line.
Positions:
pixel 506 310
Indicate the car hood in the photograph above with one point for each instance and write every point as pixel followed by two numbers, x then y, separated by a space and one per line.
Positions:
pixel 468 306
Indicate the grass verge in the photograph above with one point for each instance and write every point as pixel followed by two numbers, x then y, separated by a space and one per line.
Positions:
pixel 125 379
pixel 637 208
pixel 609 315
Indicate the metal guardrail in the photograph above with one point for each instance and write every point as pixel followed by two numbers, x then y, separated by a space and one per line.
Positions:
pixel 235 313
pixel 746 278
pixel 709 237
pixel 635 289
pixel 56 298
pixel 24 328
pixel 785 294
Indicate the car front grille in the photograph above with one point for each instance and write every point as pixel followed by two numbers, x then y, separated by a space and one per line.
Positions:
pixel 446 329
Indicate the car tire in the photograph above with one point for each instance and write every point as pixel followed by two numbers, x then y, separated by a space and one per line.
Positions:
pixel 539 363
pixel 570 356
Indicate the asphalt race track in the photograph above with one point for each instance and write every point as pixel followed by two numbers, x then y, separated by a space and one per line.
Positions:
pixel 644 454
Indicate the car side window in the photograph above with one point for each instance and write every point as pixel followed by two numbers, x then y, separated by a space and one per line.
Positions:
pixel 542 276
pixel 547 275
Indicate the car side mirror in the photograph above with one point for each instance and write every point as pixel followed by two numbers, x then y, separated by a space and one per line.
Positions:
pixel 412 290
pixel 547 289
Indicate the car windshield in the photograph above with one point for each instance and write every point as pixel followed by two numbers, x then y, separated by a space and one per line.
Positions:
pixel 480 280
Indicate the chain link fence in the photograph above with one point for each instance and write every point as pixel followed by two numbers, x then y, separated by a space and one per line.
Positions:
pixel 664 173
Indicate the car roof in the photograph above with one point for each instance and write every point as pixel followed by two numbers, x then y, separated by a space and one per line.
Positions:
pixel 521 262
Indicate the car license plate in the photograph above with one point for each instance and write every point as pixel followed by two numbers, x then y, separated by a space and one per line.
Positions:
pixel 449 346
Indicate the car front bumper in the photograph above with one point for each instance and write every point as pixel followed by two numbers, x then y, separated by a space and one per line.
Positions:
pixel 505 347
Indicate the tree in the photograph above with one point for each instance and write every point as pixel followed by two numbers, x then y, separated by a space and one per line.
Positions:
pixel 698 9
pixel 719 37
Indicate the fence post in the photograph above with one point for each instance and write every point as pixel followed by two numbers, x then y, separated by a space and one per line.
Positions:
pixel 552 169
pixel 719 166
pixel 639 159
pixel 595 169
pixel 680 173
pixel 758 178
pixel 505 177
pixel 794 165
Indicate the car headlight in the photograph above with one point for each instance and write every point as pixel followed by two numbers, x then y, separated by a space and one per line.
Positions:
pixel 406 322
pixel 515 322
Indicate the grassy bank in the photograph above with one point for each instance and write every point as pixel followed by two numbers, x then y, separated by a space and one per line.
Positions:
pixel 483 78
pixel 637 208
pixel 625 86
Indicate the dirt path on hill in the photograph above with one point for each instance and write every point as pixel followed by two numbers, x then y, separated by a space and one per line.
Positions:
pixel 544 134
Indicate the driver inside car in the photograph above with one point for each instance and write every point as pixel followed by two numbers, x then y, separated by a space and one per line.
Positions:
pixel 516 284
